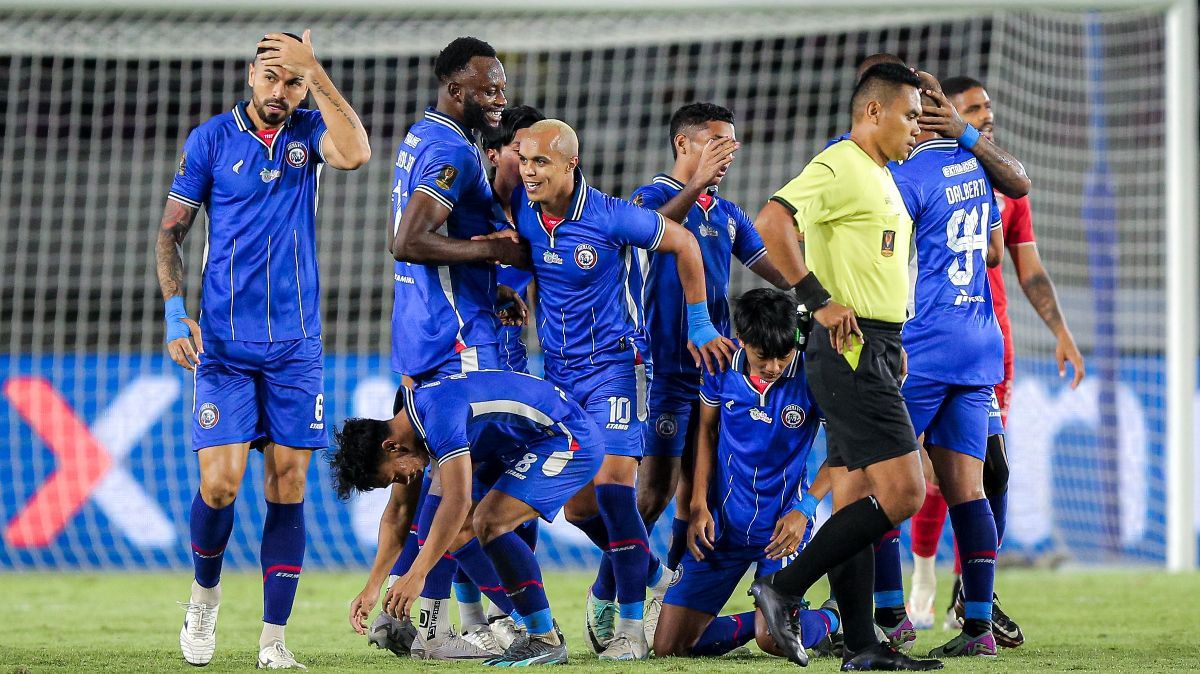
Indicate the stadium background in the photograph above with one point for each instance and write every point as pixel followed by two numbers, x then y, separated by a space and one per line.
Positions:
pixel 94 457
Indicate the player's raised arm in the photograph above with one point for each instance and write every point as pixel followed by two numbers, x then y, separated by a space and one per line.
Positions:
pixel 1003 170
pixel 715 158
pixel 345 144
pixel 706 344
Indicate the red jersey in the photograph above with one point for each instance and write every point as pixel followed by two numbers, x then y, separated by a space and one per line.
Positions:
pixel 1018 229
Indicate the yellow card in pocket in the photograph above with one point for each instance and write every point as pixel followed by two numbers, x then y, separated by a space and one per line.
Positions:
pixel 852 351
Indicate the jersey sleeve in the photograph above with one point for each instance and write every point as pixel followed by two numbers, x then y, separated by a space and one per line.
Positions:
pixel 447 174
pixel 710 390
pixel 748 246
pixel 445 435
pixel 316 134
pixel 650 197
pixel 1018 222
pixel 910 192
pixel 636 226
pixel 997 218
pixel 193 176
pixel 804 196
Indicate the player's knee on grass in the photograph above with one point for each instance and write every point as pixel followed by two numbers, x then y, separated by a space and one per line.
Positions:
pixel 678 630
pixel 995 466
pixel 763 638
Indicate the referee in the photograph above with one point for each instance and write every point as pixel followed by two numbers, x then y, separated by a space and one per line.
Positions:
pixel 854 276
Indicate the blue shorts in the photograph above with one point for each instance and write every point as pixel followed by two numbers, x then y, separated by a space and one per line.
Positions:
pixel 995 418
pixel 708 584
pixel 545 475
pixel 672 402
pixel 252 391
pixel 484 357
pixel 614 396
pixel 951 416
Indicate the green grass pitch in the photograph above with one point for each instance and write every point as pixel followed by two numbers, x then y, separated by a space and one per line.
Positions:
pixel 1127 620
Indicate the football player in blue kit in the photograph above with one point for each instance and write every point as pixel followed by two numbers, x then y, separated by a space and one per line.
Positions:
pixel 589 323
pixel 444 318
pixel 703 143
pixel 751 503
pixel 955 357
pixel 510 448
pixel 256 351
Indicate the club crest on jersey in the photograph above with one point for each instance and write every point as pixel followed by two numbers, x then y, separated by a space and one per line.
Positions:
pixel 732 229
pixel 585 256
pixel 793 416
pixel 666 426
pixel 268 175
pixel 208 416
pixel 888 247
pixel 297 154
pixel 759 415
pixel 445 178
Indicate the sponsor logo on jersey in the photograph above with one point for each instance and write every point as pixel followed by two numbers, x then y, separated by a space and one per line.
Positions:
pixel 237 168
pixel 888 247
pixel 209 416
pixel 961 168
pixel 616 427
pixel 411 140
pixel 759 415
pixel 709 230
pixel 964 298
pixel 666 426
pixel 585 256
pixel 268 175
pixel 551 257
pixel 182 164
pixel 729 405
pixel 446 177
pixel 793 416
pixel 297 154
pixel 317 426
pixel 401 278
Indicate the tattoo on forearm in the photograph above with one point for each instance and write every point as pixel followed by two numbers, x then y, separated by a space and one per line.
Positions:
pixel 1040 291
pixel 336 101
pixel 176 221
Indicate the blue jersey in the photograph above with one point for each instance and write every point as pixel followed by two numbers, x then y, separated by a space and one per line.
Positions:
pixel 723 230
pixel 762 449
pixel 440 310
pixel 494 414
pixel 589 308
pixel 260 268
pixel 954 337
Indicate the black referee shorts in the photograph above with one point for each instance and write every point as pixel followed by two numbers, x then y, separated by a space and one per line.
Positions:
pixel 866 420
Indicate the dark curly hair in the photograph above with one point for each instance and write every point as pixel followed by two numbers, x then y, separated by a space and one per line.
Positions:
pixel 359 452
pixel 458 54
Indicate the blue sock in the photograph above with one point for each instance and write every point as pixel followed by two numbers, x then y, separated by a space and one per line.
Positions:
pixel 816 625
pixel 627 546
pixel 999 504
pixel 437 583
pixel 975 529
pixel 282 556
pixel 211 528
pixel 724 634
pixel 889 577
pixel 605 588
pixel 522 579
pixel 529 533
pixel 407 553
pixel 678 543
pixel 465 591
pixel 474 563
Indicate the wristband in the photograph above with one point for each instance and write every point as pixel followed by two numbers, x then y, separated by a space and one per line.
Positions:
pixel 700 327
pixel 175 311
pixel 807 506
pixel 969 137
pixel 811 293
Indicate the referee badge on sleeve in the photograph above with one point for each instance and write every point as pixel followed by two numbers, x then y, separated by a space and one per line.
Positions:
pixel 887 247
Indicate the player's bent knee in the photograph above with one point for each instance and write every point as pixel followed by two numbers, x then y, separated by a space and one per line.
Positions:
pixel 763 638
pixel 487 529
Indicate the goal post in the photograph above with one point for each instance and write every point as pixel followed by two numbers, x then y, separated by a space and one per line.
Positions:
pixel 98 97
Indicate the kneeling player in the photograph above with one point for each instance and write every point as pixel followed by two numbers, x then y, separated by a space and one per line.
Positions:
pixel 529 448
pixel 757 424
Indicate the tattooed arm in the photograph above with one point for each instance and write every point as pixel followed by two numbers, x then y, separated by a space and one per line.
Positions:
pixel 1039 289
pixel 345 144
pixel 183 342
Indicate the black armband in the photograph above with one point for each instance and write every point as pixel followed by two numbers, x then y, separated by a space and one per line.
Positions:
pixel 811 293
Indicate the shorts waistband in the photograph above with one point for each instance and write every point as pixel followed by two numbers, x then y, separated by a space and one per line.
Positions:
pixel 878 326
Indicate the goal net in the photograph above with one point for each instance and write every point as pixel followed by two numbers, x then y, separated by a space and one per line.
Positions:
pixel 95 455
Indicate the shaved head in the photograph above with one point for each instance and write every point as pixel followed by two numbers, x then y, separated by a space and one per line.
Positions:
pixel 556 136
pixel 874 60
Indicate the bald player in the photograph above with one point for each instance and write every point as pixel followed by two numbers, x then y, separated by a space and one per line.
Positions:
pixel 590 317
pixel 847 208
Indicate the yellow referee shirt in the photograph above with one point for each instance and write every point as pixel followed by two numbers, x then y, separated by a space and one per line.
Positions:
pixel 856 230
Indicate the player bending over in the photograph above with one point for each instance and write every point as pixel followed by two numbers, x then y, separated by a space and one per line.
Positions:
pixel 256 353
pixel 510 448
pixel 582 243
pixel 749 504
